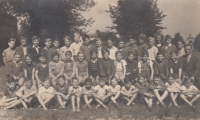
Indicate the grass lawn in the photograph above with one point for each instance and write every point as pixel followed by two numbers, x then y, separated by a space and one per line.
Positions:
pixel 134 112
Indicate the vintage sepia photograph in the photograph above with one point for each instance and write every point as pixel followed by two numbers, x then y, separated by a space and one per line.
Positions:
pixel 99 59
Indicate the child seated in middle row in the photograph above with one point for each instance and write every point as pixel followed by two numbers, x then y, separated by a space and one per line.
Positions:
pixel 189 92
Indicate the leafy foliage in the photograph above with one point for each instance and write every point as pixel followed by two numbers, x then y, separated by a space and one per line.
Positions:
pixel 132 17
pixel 177 37
pixel 53 18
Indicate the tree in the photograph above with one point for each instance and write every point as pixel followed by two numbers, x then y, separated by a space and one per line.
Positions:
pixel 50 18
pixel 107 35
pixel 197 43
pixel 132 17
pixel 177 37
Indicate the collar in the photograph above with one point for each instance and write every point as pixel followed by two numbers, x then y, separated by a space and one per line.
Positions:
pixel 23 46
pixel 189 56
pixel 68 61
pixel 17 63
pixel 158 45
pixel 35 47
pixel 81 62
pixel 169 45
pixel 132 46
pixel 99 47
pixel 111 47
pixel 94 60
pixel 46 48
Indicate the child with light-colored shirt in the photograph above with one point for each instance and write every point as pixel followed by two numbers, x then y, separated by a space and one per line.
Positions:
pixel 129 92
pixel 56 67
pixel 152 49
pixel 115 89
pixel 87 92
pixel 65 48
pixel 102 93
pixel 45 93
pixel 112 49
pixel 75 46
pixel 120 66
pixel 75 91
pixel 26 93
pixel 81 68
pixel 189 92
pixel 173 88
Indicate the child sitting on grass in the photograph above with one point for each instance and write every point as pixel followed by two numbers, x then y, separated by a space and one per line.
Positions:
pixel 62 91
pixel 45 93
pixel 115 89
pixel 143 89
pixel 81 68
pixel 69 67
pixel 102 93
pixel 9 96
pixel 129 92
pixel 41 70
pixel 173 88
pixel 25 94
pixel 189 92
pixel 56 68
pixel 159 89
pixel 75 91
pixel 15 69
pixel 87 92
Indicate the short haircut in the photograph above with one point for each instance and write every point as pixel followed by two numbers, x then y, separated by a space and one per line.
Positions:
pixel 35 37
pixel 48 40
pixel 11 80
pixel 85 37
pixel 118 52
pixel 160 53
pixel 93 51
pixel 99 39
pixel 168 37
pixel 106 51
pixel 17 53
pixel 47 79
pixel 80 52
pixel 61 76
pixel 142 36
pixel 132 53
pixel 156 76
pixel 120 41
pixel 74 78
pixel 28 55
pixel 142 76
pixel 54 54
pixel 23 38
pixel 188 45
pixel 151 38
pixel 56 39
pixel 102 79
pixel 66 38
pixel 110 39
pixel 68 53
pixel 43 55
pixel 127 81
pixel 145 53
pixel 171 75
pixel 12 39
pixel 88 80
pixel 26 79
pixel 187 79
pixel 182 41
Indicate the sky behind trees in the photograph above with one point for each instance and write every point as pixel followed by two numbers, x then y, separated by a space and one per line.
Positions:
pixel 182 16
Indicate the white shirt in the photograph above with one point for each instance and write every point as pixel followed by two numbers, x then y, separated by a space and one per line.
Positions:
pixel 75 47
pixel 152 52
pixel 168 45
pixel 24 50
pixel 112 50
pixel 99 52
pixel 43 90
pixel 62 52
pixel 191 88
pixel 115 89
pixel 119 64
pixel 102 91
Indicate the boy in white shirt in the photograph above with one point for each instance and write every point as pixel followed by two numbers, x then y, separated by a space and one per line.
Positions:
pixel 65 48
pixel 75 46
pixel 189 92
pixel 115 89
pixel 45 93
pixel 129 92
pixel 112 49
pixel 102 93
pixel 120 66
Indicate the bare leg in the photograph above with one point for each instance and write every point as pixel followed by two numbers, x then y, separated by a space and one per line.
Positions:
pixel 78 103
pixel 116 96
pixel 73 103
pixel 60 101
pixel 126 98
pixel 100 103
pixel 185 99
pixel 21 82
pixel 195 98
pixel 132 99
pixel 173 99
pixel 156 92
pixel 23 103
pixel 86 99
pixel 41 102
pixel 17 102
pixel 150 102
pixel 164 95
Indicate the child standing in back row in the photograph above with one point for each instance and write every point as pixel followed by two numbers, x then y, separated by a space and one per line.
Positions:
pixel 55 48
pixel 45 50
pixel 65 48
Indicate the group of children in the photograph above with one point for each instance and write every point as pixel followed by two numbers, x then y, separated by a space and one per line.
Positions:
pixel 80 71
